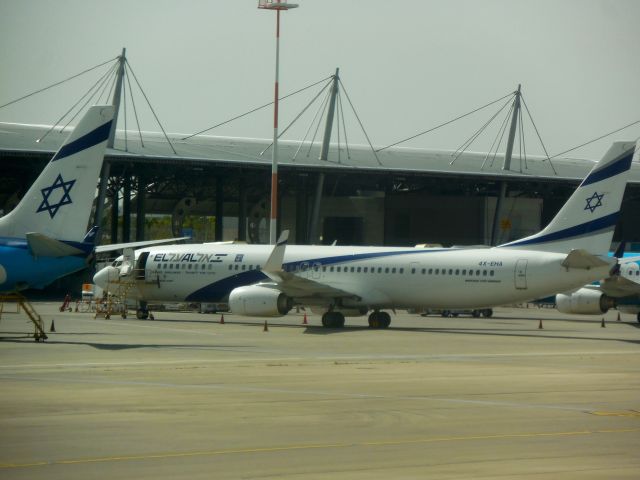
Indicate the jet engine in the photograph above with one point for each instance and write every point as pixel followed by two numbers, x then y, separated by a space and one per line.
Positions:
pixel 585 301
pixel 259 301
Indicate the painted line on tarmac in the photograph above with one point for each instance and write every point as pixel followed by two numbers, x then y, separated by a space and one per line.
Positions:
pixel 317 357
pixel 318 446
pixel 289 392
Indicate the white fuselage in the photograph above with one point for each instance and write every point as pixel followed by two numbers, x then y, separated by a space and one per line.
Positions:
pixel 375 277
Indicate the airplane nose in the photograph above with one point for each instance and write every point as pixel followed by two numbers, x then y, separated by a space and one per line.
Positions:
pixel 105 276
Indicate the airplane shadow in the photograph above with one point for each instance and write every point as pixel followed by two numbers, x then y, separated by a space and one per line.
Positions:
pixel 504 332
pixel 17 338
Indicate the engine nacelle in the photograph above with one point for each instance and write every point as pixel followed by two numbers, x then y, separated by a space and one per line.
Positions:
pixel 255 300
pixel 584 301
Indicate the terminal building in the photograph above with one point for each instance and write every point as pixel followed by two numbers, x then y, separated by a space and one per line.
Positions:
pixel 217 189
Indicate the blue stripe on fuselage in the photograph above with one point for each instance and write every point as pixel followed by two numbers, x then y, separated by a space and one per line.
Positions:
pixel 92 138
pixel 219 291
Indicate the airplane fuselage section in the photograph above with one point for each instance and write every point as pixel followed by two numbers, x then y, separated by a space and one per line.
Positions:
pixel 377 277
pixel 19 269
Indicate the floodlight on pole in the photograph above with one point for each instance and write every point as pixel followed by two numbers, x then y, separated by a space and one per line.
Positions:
pixel 276 5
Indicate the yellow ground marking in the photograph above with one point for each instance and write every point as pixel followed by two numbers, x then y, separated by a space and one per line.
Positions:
pixel 285 448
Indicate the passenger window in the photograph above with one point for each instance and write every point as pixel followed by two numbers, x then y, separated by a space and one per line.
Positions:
pixel 359 269
pixel 393 270
pixel 413 271
pixel 437 271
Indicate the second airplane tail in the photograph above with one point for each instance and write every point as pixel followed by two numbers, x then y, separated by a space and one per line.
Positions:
pixel 589 217
pixel 58 204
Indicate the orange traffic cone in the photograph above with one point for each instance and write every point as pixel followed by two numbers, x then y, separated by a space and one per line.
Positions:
pixel 53 327
pixel 222 319
pixel 266 327
pixel 304 320
pixel 602 324
pixel 540 327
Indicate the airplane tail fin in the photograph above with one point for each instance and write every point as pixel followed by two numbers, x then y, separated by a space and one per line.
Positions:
pixel 58 204
pixel 589 217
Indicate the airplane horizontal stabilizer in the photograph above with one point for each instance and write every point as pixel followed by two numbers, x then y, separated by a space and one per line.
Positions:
pixel 43 246
pixel 582 259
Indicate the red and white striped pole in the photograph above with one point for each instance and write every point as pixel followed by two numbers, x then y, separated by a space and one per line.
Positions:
pixel 273 226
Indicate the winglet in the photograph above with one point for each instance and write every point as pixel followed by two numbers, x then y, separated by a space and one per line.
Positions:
pixel 619 253
pixel 273 264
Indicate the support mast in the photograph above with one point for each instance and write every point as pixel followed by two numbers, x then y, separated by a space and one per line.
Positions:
pixel 506 166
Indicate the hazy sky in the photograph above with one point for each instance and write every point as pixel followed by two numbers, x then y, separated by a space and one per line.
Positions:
pixel 407 66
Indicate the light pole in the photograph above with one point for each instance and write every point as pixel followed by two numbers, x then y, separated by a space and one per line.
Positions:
pixel 278 6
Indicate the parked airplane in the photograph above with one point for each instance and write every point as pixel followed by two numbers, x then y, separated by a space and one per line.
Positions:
pixel 620 290
pixel 44 237
pixel 263 280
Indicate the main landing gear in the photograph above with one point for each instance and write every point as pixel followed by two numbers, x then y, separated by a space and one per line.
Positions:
pixel 143 313
pixel 379 319
pixel 333 320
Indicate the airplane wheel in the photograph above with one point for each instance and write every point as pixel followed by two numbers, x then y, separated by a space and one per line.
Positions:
pixel 379 320
pixel 142 314
pixel 638 317
pixel 488 312
pixel 333 320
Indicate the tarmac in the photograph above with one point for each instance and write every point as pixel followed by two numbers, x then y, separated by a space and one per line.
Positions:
pixel 184 396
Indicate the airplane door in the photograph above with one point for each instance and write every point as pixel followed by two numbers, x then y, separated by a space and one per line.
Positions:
pixel 316 271
pixel 141 265
pixel 521 274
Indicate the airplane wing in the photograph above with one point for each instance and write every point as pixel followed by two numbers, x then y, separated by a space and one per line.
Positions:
pixel 292 285
pixel 619 286
pixel 121 246
pixel 41 245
